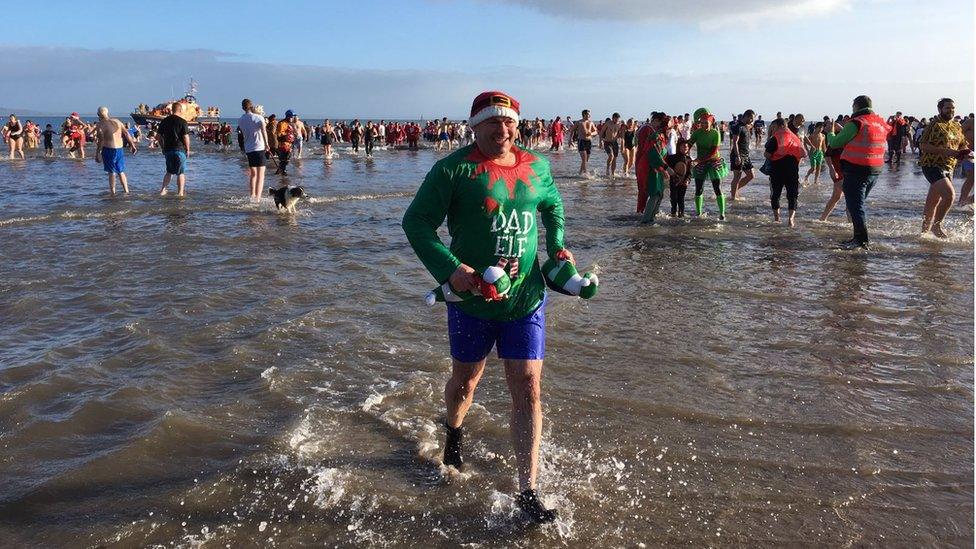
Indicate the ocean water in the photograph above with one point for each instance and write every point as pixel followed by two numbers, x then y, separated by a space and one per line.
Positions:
pixel 206 372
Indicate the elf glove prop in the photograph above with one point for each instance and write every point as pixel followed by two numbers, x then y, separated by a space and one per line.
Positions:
pixel 561 276
pixel 493 285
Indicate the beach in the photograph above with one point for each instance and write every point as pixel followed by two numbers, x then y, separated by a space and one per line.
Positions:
pixel 208 372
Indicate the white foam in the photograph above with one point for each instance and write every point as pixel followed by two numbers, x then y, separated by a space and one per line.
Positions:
pixel 330 486
pixel 19 220
pixel 380 196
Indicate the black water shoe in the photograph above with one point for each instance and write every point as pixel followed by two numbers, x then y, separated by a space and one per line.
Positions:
pixel 452 447
pixel 528 502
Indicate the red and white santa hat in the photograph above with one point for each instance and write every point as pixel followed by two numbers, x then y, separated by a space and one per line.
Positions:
pixel 493 103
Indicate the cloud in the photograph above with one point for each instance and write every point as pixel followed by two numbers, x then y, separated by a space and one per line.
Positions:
pixel 708 13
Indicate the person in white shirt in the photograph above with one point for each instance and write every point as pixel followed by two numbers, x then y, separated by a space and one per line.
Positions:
pixel 254 129
pixel 684 130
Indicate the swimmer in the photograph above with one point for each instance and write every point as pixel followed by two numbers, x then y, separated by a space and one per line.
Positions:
pixel 814 144
pixel 328 137
pixel 48 135
pixel 630 143
pixel 610 136
pixel 584 130
pixel 14 132
pixel 742 171
pixel 110 134
pixel 942 145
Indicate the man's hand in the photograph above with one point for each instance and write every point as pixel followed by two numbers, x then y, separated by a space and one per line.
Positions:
pixel 464 279
pixel 566 255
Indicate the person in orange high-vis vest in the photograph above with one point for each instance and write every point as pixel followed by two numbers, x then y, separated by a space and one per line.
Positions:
pixel 784 151
pixel 864 140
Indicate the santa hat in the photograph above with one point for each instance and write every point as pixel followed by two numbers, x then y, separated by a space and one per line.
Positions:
pixel 493 103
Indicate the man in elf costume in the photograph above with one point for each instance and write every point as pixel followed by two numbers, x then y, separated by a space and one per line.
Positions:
pixel 709 164
pixel 490 192
pixel 651 168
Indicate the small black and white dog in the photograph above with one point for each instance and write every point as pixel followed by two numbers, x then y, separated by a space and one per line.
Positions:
pixel 285 198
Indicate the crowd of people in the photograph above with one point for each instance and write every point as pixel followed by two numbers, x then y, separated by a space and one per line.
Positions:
pixel 665 153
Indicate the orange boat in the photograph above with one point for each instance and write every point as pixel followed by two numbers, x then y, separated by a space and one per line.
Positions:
pixel 194 115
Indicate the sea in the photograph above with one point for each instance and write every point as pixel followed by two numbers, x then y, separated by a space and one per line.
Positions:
pixel 207 372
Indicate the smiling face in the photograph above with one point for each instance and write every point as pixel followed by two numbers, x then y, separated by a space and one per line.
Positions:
pixel 495 136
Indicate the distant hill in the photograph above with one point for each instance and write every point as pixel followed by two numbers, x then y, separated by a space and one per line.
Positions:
pixel 5 111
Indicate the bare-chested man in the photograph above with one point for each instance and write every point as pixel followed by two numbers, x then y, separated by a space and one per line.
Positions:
pixel 610 135
pixel 815 143
pixel 110 136
pixel 584 130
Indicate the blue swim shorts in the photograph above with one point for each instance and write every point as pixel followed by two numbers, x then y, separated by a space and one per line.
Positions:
pixel 175 162
pixel 113 161
pixel 521 339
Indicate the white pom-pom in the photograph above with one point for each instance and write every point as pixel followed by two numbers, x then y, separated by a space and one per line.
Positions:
pixel 492 274
pixel 585 282
pixel 430 299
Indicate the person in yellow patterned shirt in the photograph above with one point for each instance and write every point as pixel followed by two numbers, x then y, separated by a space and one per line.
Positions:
pixel 942 144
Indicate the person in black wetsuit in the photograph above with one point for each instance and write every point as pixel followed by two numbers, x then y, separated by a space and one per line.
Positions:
pixel 369 137
pixel 742 172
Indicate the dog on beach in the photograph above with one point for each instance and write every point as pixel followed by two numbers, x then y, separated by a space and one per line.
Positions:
pixel 286 198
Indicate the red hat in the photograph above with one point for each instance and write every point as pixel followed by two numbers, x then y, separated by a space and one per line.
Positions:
pixel 493 103
pixel 74 115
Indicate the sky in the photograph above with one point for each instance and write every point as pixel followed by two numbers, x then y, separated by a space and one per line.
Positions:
pixel 429 58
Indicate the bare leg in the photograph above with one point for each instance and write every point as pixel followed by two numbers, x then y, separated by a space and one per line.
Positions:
pixel 111 184
pixel 459 391
pixel 524 379
pixel 163 190
pixel 181 185
pixel 807 176
pixel 259 179
pixel 734 186
pixel 792 220
pixel 125 183
pixel 946 198
pixel 967 188
pixel 833 200
pixel 746 178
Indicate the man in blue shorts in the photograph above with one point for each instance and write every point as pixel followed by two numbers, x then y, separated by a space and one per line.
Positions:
pixel 490 193
pixel 173 134
pixel 110 135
